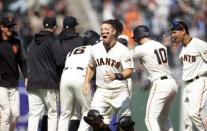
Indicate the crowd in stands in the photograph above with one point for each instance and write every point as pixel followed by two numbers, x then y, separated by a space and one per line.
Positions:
pixel 29 15
pixel 158 15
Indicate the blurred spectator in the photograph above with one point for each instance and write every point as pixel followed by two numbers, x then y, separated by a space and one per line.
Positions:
pixel 132 18
pixel 159 19
pixel 107 10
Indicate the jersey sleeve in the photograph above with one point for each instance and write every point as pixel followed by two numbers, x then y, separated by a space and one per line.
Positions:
pixel 136 52
pixel 91 58
pixel 202 48
pixel 127 61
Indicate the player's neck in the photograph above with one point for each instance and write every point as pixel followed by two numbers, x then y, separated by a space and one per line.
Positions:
pixel 109 46
pixel 4 37
pixel 144 40
pixel 186 40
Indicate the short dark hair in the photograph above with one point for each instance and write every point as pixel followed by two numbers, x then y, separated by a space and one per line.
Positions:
pixel 116 24
pixel 179 25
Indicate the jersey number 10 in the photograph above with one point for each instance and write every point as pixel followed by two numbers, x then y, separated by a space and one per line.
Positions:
pixel 161 55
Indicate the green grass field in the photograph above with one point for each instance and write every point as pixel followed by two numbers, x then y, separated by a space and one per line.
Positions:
pixel 139 100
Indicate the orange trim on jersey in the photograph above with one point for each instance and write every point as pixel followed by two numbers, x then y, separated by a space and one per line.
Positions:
pixel 200 107
pixel 149 106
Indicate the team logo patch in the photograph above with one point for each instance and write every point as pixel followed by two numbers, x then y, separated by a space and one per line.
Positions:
pixel 15 48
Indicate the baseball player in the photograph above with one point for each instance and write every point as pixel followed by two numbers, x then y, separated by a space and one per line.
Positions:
pixel 153 56
pixel 113 65
pixel 193 57
pixel 12 56
pixel 72 81
pixel 70 39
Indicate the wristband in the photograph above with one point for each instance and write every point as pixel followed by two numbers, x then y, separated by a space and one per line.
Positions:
pixel 119 76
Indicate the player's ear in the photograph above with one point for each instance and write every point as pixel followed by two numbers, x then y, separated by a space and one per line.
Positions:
pixel 183 32
pixel 114 32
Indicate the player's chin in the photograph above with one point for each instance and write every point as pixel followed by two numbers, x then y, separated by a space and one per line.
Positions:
pixel 105 40
pixel 175 40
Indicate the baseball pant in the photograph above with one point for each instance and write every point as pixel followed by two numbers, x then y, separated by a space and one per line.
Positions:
pixel 9 107
pixel 161 97
pixel 195 95
pixel 38 99
pixel 70 92
pixel 117 99
pixel 188 124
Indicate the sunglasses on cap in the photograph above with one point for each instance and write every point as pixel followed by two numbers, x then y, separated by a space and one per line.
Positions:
pixel 177 26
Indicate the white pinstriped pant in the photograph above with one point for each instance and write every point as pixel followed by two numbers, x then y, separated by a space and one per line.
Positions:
pixel 9 107
pixel 195 101
pixel 162 95
pixel 71 91
pixel 38 99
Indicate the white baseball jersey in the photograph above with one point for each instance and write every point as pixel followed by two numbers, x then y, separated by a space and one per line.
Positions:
pixel 72 81
pixel 111 95
pixel 194 58
pixel 153 55
pixel 80 60
pixel 114 61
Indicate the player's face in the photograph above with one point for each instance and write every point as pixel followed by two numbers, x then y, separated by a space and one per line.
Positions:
pixel 6 31
pixel 107 33
pixel 177 36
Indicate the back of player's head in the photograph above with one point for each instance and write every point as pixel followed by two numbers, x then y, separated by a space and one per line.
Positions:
pixel 118 26
pixel 139 32
pixel 69 22
pixel 49 22
pixel 178 26
pixel 91 37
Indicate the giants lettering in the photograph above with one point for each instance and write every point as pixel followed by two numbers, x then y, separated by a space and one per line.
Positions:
pixel 107 61
pixel 188 58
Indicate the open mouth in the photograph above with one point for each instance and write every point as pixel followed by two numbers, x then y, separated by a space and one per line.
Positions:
pixel 104 37
pixel 174 39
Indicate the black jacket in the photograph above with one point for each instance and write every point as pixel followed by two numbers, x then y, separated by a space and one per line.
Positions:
pixel 70 39
pixel 44 58
pixel 12 56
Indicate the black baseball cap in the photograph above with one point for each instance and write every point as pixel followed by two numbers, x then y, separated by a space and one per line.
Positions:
pixel 49 22
pixel 8 21
pixel 69 22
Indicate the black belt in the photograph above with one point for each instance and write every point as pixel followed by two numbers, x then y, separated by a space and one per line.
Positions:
pixel 163 77
pixel 191 80
pixel 78 68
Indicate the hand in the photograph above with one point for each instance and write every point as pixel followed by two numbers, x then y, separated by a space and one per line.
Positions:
pixel 109 77
pixel 86 89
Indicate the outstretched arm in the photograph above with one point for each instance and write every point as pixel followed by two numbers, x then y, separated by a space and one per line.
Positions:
pixel 89 75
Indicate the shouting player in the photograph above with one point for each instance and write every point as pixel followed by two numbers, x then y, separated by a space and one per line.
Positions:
pixel 153 55
pixel 193 57
pixel 113 65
